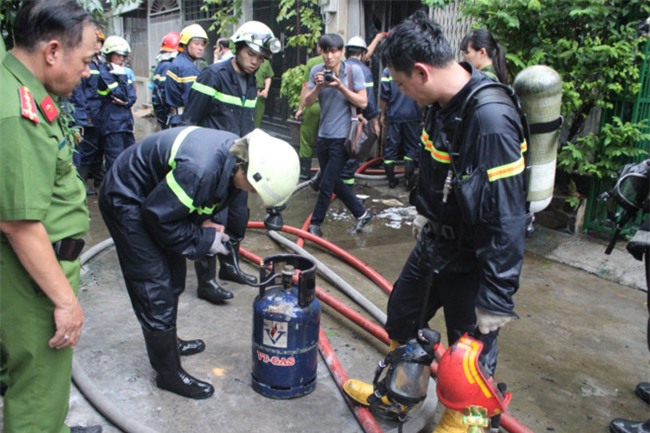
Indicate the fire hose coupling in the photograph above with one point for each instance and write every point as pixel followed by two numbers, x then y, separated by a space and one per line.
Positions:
pixel 273 218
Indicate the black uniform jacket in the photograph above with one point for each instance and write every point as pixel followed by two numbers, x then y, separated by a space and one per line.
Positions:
pixel 218 101
pixel 483 222
pixel 175 179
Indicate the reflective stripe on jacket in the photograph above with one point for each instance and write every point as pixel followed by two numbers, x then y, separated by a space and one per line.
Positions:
pixel 217 100
pixel 180 76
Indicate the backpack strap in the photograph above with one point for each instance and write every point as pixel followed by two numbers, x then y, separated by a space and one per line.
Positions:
pixel 492 92
pixel 354 111
pixel 487 93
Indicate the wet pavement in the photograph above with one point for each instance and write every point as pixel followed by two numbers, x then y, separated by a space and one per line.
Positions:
pixel 571 361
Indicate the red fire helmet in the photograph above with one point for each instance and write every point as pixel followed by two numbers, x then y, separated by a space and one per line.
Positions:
pixel 170 41
pixel 461 383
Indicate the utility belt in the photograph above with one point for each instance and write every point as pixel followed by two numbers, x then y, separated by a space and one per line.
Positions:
pixel 175 116
pixel 68 249
pixel 446 232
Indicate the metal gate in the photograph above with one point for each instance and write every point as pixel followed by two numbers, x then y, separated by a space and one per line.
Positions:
pixel 629 110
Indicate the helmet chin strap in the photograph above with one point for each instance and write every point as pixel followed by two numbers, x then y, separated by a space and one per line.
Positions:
pixel 240 68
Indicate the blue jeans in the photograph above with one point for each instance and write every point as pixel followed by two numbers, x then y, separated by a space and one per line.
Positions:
pixel 331 158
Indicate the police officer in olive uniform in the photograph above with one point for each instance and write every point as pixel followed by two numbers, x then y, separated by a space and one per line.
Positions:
pixel 263 78
pixel 43 216
pixel 223 97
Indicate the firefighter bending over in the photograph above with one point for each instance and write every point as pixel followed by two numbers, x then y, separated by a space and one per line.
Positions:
pixel 157 201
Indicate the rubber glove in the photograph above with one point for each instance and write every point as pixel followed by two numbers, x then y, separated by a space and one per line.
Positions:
pixel 488 322
pixel 219 244
pixel 418 224
pixel 117 69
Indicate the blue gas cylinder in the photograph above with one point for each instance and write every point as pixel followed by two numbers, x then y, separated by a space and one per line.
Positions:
pixel 286 323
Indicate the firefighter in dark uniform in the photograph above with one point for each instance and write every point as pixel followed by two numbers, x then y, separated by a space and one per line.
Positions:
pixel 91 147
pixel 469 253
pixel 223 98
pixel 117 93
pixel 355 50
pixel 43 216
pixel 168 52
pixel 401 118
pixel 157 201
pixel 183 72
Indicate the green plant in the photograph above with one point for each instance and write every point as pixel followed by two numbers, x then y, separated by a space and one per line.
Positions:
pixel 302 20
pixel 301 17
pixel 291 86
pixel 594 47
pixel 602 154
pixel 226 14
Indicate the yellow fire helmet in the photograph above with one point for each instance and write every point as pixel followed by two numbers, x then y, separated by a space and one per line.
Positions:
pixel 192 31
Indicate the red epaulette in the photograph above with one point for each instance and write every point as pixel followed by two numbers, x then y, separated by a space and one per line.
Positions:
pixel 27 105
pixel 49 108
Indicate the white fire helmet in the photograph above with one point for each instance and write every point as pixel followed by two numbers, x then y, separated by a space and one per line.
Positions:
pixel 259 37
pixel 116 44
pixel 357 42
pixel 273 167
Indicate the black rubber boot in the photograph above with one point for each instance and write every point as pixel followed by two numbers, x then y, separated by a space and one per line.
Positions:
pixel 188 347
pixel 228 266
pixel 305 169
pixel 643 391
pixel 390 175
pixel 83 172
pixel 620 425
pixel 208 288
pixel 409 174
pixel 162 347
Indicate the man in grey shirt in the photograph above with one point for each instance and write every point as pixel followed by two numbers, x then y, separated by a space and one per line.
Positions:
pixel 337 86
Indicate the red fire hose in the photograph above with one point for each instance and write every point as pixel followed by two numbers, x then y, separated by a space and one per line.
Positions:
pixel 364 416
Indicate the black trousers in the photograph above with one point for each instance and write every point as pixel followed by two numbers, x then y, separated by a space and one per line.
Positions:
pixel 455 293
pixel 154 278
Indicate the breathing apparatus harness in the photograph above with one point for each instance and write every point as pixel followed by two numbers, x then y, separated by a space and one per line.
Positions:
pixel 486 93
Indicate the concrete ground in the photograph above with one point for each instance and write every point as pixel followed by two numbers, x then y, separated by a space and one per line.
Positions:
pixel 571 362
